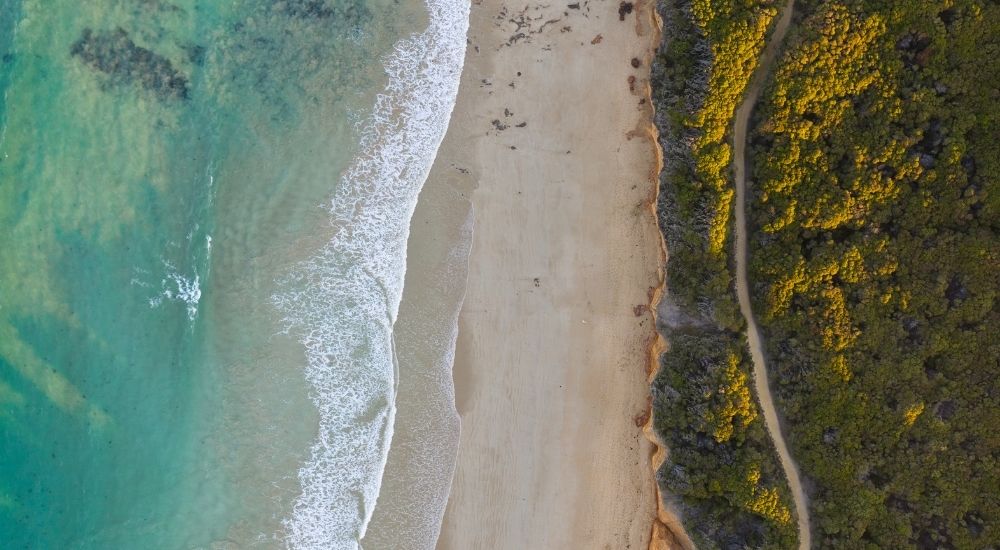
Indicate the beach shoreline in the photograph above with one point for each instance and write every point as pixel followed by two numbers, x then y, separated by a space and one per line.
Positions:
pixel 556 333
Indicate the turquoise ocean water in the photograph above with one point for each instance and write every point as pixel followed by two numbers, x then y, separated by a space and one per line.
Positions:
pixel 203 215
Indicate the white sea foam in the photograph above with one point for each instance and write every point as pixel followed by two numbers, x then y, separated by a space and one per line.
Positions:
pixel 342 303
pixel 174 287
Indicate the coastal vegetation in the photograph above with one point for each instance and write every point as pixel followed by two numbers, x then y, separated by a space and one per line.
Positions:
pixel 874 261
pixel 722 473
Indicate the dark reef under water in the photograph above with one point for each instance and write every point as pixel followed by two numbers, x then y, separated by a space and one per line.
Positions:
pixel 116 55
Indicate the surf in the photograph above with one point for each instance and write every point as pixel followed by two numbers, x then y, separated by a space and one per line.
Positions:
pixel 341 304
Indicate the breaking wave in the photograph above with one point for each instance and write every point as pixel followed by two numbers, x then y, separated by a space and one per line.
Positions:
pixel 342 303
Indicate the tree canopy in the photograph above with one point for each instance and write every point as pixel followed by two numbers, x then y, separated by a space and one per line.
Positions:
pixel 875 260
pixel 722 470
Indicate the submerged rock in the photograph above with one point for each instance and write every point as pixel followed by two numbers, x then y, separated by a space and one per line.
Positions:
pixel 350 13
pixel 116 55
pixel 308 9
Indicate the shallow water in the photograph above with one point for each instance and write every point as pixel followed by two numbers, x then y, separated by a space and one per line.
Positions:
pixel 166 171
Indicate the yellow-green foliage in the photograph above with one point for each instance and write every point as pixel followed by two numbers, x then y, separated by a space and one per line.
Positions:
pixel 732 403
pixel 704 69
pixel 766 502
pixel 736 43
pixel 722 464
pixel 877 212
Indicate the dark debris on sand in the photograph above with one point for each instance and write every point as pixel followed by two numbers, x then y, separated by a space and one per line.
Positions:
pixel 624 9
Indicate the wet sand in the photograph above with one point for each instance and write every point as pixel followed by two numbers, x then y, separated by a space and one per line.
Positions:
pixel 421 460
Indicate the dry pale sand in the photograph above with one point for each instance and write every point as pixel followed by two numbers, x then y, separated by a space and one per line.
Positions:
pixel 551 363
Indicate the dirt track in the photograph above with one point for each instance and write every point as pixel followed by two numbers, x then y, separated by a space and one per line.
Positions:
pixel 753 332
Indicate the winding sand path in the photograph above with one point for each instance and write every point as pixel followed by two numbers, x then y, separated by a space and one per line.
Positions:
pixel 753 332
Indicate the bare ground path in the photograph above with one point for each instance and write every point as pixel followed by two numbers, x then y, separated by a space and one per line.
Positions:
pixel 753 332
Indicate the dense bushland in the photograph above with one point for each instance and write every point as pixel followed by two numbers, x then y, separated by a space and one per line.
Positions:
pixel 722 471
pixel 876 267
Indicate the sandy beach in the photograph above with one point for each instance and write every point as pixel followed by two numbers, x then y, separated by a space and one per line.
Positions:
pixel 551 139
